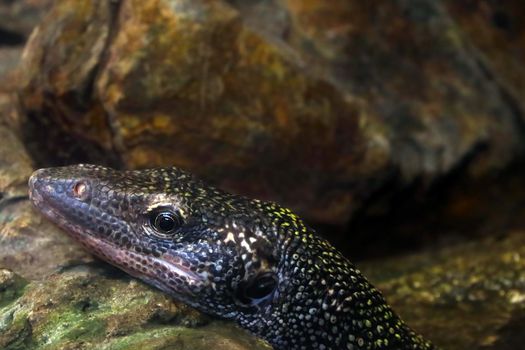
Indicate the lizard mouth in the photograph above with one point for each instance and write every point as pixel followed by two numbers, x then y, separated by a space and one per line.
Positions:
pixel 165 272
pixel 168 272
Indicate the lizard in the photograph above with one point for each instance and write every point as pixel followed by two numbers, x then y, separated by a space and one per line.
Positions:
pixel 251 261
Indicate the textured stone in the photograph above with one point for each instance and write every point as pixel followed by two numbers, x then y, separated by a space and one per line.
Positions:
pixel 15 164
pixel 497 34
pixel 308 103
pixel 86 307
pixel 314 104
pixel 9 59
pixel 29 245
pixel 19 17
pixel 470 296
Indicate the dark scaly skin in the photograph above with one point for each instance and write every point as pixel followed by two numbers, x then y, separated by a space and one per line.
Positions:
pixel 222 247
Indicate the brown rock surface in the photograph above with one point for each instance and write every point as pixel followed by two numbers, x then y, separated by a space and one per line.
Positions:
pixel 19 17
pixel 317 106
pixel 221 101
pixel 470 296
pixel 29 245
pixel 15 164
pixel 9 59
pixel 323 106
pixel 497 32
pixel 89 307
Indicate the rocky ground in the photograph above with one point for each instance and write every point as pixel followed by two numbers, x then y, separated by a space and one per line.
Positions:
pixel 397 130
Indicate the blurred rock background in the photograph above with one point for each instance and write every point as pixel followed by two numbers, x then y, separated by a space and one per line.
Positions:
pixel 397 129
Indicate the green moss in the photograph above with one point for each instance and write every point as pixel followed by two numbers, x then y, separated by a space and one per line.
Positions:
pixel 173 338
pixel 153 339
pixel 11 287
pixel 67 324
pixel 15 330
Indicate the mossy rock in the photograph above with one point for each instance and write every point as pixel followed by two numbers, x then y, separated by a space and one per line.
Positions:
pixel 98 307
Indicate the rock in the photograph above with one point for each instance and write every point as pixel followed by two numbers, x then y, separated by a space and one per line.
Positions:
pixel 19 17
pixel 15 164
pixel 417 71
pixel 11 286
pixel 88 307
pixel 9 59
pixel 308 104
pixel 253 107
pixel 470 296
pixel 29 244
pixel 496 32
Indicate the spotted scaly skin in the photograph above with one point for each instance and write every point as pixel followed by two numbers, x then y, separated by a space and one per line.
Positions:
pixel 242 259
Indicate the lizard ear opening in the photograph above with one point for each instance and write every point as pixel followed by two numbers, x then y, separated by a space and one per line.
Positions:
pixel 259 289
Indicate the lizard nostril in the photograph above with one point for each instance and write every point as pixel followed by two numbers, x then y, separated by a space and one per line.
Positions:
pixel 80 189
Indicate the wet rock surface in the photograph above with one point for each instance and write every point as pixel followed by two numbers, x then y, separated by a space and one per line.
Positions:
pixel 29 245
pixel 471 296
pixel 15 165
pixel 86 307
pixel 496 31
pixel 19 17
pixel 311 104
pixel 9 59
pixel 223 92
pixel 339 110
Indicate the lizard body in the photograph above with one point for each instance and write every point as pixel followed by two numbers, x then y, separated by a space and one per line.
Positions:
pixel 254 262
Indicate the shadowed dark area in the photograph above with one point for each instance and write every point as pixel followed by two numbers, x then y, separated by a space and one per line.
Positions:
pixel 10 38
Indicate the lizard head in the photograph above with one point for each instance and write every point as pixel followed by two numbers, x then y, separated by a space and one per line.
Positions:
pixel 210 249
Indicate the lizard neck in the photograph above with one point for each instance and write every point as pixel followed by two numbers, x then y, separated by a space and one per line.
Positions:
pixel 324 302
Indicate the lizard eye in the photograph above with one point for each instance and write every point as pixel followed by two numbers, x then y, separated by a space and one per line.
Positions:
pixel 165 222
